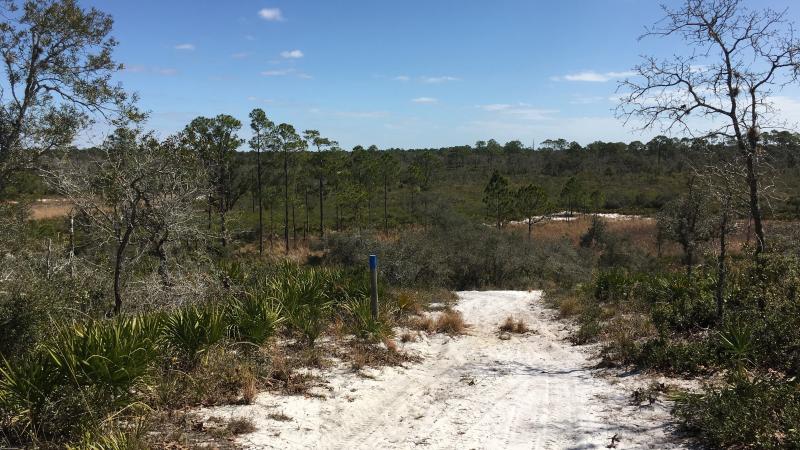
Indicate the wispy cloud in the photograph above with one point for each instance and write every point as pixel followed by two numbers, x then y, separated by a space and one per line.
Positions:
pixel 277 73
pixel 167 71
pixel 586 100
pixel 184 47
pixel 424 100
pixel 440 79
pixel 496 107
pixel 593 77
pixel 427 79
pixel 521 111
pixel 292 54
pixel 350 114
pixel 253 98
pixel 286 72
pixel 271 14
pixel 240 55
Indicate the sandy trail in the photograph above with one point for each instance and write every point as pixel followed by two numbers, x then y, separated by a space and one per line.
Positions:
pixel 469 392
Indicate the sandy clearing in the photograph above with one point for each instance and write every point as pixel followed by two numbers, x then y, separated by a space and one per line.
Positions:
pixel 475 391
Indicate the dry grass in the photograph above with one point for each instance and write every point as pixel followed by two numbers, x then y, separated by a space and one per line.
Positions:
pixel 409 301
pixel 249 386
pixel 514 326
pixel 50 208
pixel 362 354
pixel 451 322
pixel 621 335
pixel 408 337
pixel 239 426
pixel 391 346
pixel 279 416
pixel 569 306
pixel 423 323
pixel 640 232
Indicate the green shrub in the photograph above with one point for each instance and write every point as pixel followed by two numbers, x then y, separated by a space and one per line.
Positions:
pixel 115 439
pixel 359 318
pixel 459 254
pixel 611 285
pixel 26 390
pixel 589 325
pixel 191 330
pixel 108 355
pixel 253 318
pixel 760 413
pixel 303 294
pixel 686 357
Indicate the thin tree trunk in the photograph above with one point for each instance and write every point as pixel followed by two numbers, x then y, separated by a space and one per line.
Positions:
pixel 72 244
pixel 271 223
pixel 223 229
pixel 321 213
pixel 385 207
pixel 260 206
pixel 689 259
pixel 755 208
pixel 118 265
pixel 208 209
pixel 721 271
pixel 305 228
pixel 286 202
pixel 294 227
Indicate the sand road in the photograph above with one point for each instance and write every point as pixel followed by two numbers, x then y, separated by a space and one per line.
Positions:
pixel 476 391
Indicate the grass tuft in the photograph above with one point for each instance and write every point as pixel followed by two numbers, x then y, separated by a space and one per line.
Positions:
pixel 514 326
pixel 451 322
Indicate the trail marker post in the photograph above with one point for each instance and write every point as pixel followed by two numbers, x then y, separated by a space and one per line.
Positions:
pixel 373 272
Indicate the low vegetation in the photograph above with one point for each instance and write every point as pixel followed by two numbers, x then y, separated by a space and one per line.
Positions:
pixel 181 271
pixel 94 374
pixel 511 325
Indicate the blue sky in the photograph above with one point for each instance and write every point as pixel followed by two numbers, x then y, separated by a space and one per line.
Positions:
pixel 419 73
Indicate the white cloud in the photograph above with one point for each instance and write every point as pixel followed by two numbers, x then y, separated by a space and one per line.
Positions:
pixel 277 73
pixel 496 107
pixel 165 71
pixel 583 100
pixel 351 114
pixel 424 100
pixel 188 47
pixel 271 14
pixel 285 72
pixel 240 55
pixel 401 78
pixel 521 111
pixel 435 80
pixel 134 68
pixel 594 77
pixel 292 54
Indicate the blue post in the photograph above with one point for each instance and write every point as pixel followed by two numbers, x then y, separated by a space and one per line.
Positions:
pixel 373 271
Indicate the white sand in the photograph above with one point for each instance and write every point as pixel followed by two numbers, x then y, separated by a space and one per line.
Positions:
pixel 470 392
pixel 565 216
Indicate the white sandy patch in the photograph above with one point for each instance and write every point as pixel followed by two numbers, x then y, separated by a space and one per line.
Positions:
pixel 565 216
pixel 476 391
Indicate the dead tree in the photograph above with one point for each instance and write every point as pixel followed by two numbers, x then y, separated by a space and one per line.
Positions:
pixel 738 59
pixel 135 199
